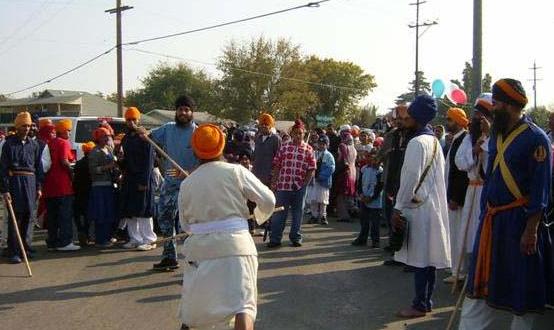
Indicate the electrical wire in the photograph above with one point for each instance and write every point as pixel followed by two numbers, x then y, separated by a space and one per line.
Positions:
pixel 211 27
pixel 138 50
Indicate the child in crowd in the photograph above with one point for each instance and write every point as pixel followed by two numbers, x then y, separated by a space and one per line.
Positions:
pixel 81 185
pixel 370 200
pixel 321 184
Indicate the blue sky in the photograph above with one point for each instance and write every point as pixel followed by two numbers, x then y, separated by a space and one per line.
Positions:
pixel 42 38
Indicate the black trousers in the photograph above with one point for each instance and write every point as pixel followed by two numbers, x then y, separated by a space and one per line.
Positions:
pixel 23 226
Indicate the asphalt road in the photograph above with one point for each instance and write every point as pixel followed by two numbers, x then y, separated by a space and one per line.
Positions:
pixel 326 284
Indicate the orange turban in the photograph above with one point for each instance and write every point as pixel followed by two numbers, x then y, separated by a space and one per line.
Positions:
pixel 458 116
pixel 132 113
pixel 64 125
pixel 87 147
pixel 44 122
pixel 23 118
pixel 266 119
pixel 99 133
pixel 208 141
pixel 355 132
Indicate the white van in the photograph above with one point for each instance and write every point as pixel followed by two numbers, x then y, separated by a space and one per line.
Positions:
pixel 83 128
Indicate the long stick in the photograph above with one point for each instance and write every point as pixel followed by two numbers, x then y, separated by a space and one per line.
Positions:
pixel 163 153
pixel 462 251
pixel 21 246
pixel 186 234
pixel 458 303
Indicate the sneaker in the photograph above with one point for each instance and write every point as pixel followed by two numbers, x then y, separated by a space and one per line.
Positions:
pixel 69 247
pixel 15 260
pixel 273 244
pixel 323 221
pixel 295 244
pixel 166 265
pixel 146 247
pixel 105 245
pixel 130 245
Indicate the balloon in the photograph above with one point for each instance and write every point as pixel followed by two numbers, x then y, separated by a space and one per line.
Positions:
pixel 438 88
pixel 458 96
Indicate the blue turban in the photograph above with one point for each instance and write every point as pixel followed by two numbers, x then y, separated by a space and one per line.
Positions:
pixel 423 109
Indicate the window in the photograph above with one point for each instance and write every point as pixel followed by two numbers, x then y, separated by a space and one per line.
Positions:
pixel 84 129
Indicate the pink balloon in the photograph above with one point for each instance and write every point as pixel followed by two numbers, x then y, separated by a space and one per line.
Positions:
pixel 458 96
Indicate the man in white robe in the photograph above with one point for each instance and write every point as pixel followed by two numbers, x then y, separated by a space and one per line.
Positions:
pixel 421 201
pixel 472 157
pixel 220 273
pixel 456 186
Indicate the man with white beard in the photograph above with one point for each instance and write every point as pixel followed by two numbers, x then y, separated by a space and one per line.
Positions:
pixel 421 201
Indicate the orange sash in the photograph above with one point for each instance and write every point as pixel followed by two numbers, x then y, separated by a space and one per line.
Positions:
pixel 483 265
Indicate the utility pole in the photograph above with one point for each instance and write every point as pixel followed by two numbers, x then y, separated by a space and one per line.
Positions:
pixel 117 10
pixel 476 77
pixel 417 26
pixel 534 80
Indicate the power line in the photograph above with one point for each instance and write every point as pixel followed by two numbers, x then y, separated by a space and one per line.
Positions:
pixel 63 73
pixel 244 70
pixel 211 27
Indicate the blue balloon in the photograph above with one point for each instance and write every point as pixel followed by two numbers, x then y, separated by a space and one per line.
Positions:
pixel 438 88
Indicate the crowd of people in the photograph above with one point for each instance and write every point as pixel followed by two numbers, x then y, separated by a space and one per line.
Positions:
pixel 470 196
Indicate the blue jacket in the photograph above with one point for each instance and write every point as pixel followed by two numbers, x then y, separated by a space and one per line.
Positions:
pixel 326 168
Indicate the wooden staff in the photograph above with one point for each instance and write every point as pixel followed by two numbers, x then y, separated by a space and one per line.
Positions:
pixel 21 246
pixel 458 303
pixel 462 252
pixel 186 234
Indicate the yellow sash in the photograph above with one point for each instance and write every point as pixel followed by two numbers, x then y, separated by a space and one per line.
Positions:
pixel 499 160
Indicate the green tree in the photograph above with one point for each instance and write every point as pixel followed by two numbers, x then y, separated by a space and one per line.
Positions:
pixel 165 83
pixel 339 86
pixel 540 116
pixel 487 83
pixel 365 116
pixel 424 87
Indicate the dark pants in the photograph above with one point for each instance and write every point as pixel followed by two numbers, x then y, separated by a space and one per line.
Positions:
pixel 424 279
pixel 60 221
pixel 388 206
pixel 369 220
pixel 293 200
pixel 22 225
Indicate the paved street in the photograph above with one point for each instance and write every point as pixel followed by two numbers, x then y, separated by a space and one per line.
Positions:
pixel 326 284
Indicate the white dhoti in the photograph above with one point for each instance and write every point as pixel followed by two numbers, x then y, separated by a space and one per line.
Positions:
pixel 477 315
pixel 215 290
pixel 456 237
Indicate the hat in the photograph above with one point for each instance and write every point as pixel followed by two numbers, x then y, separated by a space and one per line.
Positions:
pixel 44 122
pixel 45 132
pixel 509 91
pixel 484 104
pixel 423 109
pixel 458 116
pixel 22 118
pixel 355 131
pixel 208 141
pixel 298 124
pixel 87 147
pixel 323 139
pixel 64 125
pixel 108 127
pixel 266 119
pixel 132 113
pixel 99 133
pixel 378 141
pixel 345 128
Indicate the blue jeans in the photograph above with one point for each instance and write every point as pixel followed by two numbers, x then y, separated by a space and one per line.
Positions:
pixel 424 279
pixel 60 221
pixel 167 218
pixel 293 200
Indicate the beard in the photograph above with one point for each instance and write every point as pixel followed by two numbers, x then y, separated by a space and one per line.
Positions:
pixel 180 121
pixel 500 121
pixel 475 130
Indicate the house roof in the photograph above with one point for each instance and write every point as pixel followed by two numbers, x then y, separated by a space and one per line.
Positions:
pixel 164 116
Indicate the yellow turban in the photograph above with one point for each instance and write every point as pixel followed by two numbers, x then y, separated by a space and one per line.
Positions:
pixel 44 122
pixel 132 113
pixel 208 141
pixel 458 116
pixel 23 118
pixel 266 119
pixel 87 147
pixel 64 125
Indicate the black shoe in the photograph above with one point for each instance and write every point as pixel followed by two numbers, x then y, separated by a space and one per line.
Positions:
pixel 392 262
pixel 375 245
pixel 166 265
pixel 323 221
pixel 295 244
pixel 358 242
pixel 273 244
pixel 312 220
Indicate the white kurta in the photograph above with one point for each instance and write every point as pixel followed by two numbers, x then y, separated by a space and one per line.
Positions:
pixel 428 242
pixel 219 278
pixel 472 205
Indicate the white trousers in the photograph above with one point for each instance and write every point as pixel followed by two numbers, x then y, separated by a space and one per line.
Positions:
pixel 318 209
pixel 141 230
pixel 456 237
pixel 477 315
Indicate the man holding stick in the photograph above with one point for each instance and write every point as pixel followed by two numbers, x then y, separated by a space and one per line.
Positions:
pixel 175 139
pixel 220 272
pixel 21 176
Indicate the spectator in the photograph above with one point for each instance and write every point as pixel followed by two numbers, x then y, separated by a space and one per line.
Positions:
pixel 321 184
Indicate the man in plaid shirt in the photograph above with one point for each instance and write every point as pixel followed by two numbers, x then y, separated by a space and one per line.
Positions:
pixel 293 168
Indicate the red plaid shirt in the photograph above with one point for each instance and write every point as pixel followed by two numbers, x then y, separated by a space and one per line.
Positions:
pixel 294 162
